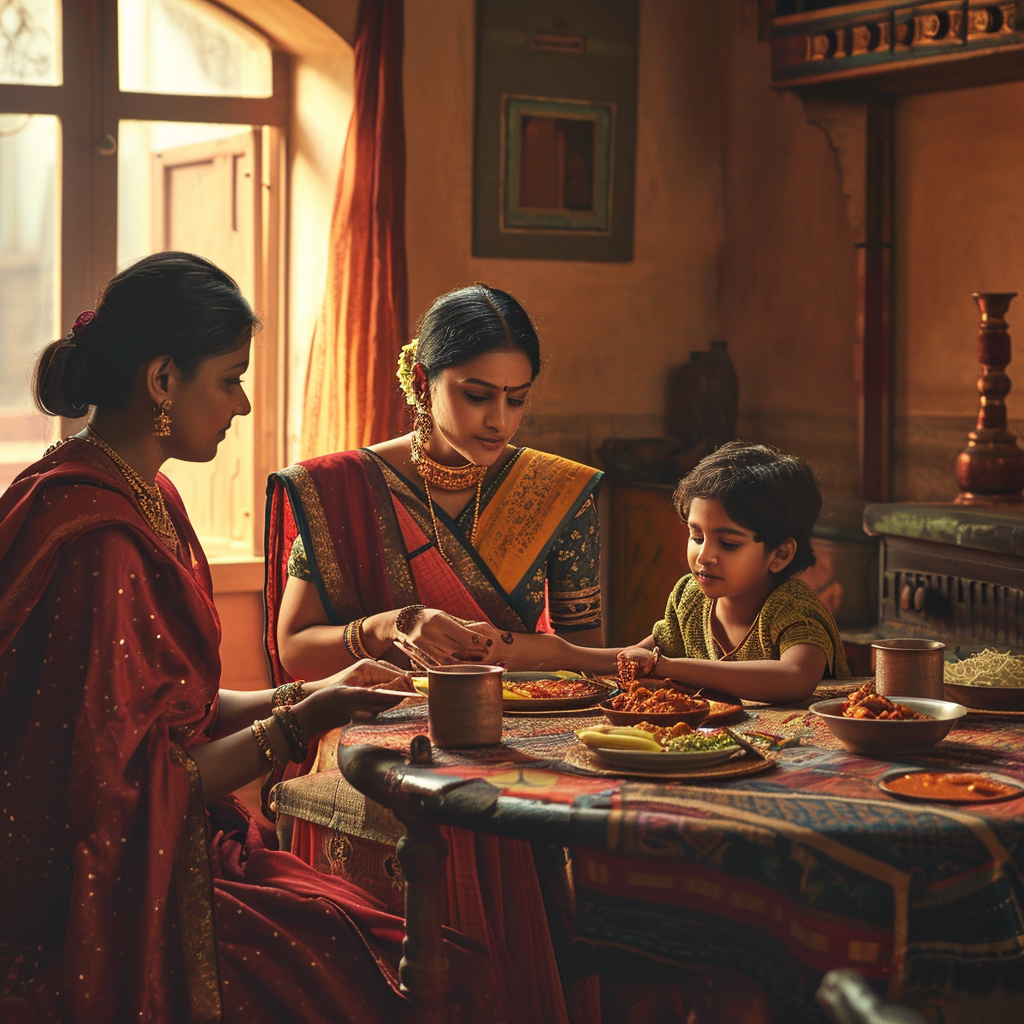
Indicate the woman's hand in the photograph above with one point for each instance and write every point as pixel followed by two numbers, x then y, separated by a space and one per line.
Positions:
pixel 366 674
pixel 441 638
pixel 357 688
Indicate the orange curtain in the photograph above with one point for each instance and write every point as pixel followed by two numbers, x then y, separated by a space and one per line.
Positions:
pixel 352 395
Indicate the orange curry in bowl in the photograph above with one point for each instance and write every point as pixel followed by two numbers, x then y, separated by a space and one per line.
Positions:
pixel 963 787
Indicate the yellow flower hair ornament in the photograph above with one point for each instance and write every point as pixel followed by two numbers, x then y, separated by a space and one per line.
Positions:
pixel 406 361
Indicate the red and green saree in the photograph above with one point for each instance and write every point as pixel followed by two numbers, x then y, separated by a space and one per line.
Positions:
pixel 368 542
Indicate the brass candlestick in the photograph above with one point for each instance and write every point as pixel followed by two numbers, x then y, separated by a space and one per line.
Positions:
pixel 990 469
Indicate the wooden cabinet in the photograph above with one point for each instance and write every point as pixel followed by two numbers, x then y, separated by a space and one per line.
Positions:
pixel 647 555
pixel 892 45
pixel 951 573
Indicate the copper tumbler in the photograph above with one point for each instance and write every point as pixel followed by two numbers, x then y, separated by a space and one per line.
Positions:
pixel 464 705
pixel 909 668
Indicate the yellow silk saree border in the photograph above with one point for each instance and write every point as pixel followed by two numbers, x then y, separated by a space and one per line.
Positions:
pixel 517 525
pixel 194 889
pixel 316 537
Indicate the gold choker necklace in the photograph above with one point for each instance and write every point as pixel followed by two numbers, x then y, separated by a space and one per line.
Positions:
pixel 448 478
pixel 149 497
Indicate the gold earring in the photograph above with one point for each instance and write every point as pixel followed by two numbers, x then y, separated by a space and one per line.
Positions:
pixel 422 428
pixel 422 425
pixel 162 421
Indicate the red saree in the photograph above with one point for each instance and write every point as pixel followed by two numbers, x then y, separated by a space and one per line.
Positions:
pixel 368 537
pixel 123 898
pixel 369 541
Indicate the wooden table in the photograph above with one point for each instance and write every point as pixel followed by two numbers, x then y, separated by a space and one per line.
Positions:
pixel 783 875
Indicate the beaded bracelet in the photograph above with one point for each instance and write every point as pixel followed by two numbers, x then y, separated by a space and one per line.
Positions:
pixel 353 640
pixel 289 722
pixel 407 616
pixel 287 694
pixel 259 731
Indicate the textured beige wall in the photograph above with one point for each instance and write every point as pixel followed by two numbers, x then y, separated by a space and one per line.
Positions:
pixel 608 330
pixel 959 229
pixel 741 233
pixel 788 298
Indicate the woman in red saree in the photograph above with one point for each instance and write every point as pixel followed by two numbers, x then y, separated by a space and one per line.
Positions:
pixel 448 543
pixel 130 890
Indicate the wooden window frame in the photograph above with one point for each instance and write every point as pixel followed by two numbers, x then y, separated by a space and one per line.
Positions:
pixel 90 105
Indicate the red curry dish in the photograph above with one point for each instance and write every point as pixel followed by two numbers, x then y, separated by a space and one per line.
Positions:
pixel 551 689
pixel 965 787
pixel 865 703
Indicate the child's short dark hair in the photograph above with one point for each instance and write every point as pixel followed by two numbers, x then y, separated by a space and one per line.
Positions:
pixel 775 495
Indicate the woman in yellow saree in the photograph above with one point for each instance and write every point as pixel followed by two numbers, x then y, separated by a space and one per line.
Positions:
pixel 449 542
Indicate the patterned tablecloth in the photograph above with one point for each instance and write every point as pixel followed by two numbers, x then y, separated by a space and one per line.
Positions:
pixel 789 873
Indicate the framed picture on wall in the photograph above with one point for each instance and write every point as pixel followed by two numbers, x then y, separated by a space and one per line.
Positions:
pixel 555 140
pixel 557 170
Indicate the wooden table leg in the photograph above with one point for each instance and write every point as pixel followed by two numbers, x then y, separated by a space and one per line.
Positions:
pixel 423 971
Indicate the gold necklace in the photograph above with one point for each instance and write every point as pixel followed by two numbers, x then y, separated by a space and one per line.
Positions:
pixel 433 518
pixel 448 478
pixel 149 497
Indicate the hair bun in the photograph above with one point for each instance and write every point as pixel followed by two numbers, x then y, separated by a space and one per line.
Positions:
pixel 57 385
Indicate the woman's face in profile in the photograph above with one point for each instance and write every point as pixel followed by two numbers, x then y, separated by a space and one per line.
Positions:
pixel 478 405
pixel 203 407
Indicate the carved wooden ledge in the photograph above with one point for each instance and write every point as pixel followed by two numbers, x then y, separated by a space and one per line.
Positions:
pixel 895 46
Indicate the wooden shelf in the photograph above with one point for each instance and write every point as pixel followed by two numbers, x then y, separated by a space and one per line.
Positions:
pixel 886 47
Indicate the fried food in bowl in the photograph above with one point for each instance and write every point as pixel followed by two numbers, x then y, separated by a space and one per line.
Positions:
pixel 865 703
pixel 659 705
pixel 891 737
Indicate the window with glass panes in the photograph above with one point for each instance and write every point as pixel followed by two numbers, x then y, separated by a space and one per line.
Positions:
pixel 129 127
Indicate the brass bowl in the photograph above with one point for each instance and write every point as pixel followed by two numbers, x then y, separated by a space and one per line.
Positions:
pixel 691 718
pixel 891 737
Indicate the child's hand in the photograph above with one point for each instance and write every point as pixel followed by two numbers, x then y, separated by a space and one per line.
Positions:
pixel 636 663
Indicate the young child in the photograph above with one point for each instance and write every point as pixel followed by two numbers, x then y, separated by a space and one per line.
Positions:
pixel 739 622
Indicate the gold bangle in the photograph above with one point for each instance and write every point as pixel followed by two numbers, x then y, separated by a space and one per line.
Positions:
pixel 298 746
pixel 353 640
pixel 259 731
pixel 287 694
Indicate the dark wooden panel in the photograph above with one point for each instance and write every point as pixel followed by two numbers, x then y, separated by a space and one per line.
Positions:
pixel 952 594
pixel 647 557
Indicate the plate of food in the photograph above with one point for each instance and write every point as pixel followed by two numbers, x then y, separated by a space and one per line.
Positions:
pixel 545 691
pixel 865 722
pixel 951 787
pixel 657 748
pixel 654 702
pixel 990 680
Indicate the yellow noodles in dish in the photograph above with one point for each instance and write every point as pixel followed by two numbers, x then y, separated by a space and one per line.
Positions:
pixel 988 668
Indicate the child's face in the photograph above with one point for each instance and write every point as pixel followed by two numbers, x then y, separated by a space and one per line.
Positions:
pixel 724 557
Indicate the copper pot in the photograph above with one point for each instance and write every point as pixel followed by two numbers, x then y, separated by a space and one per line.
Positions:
pixel 909 668
pixel 464 705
